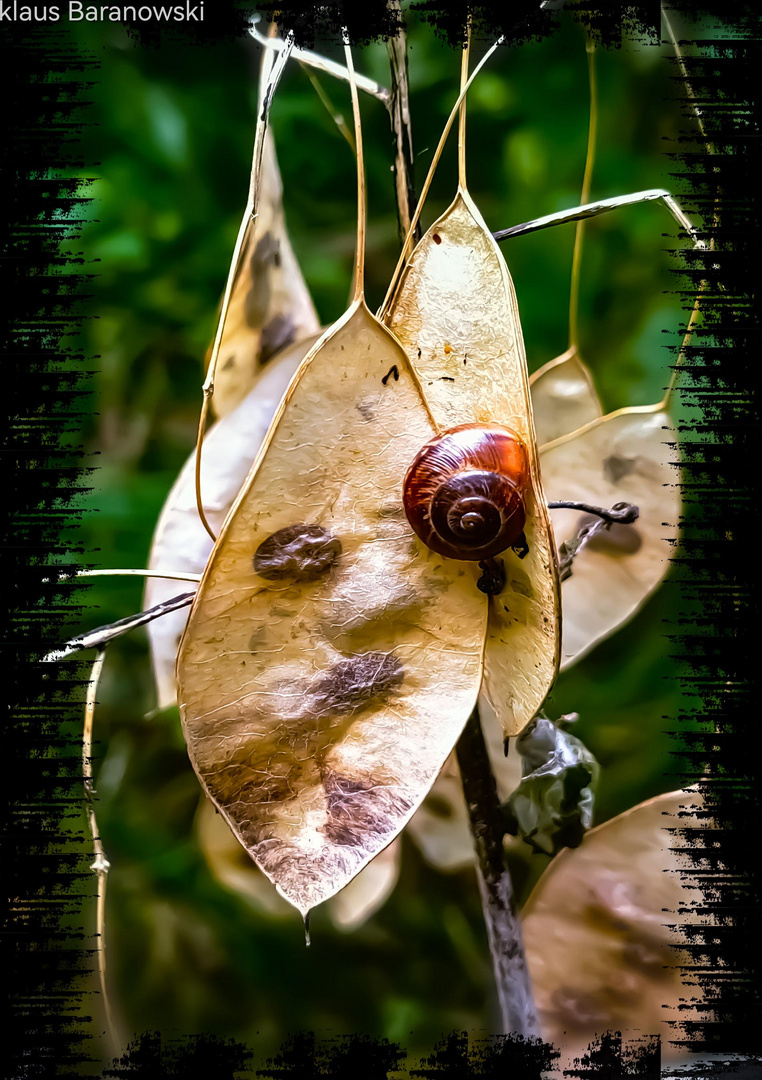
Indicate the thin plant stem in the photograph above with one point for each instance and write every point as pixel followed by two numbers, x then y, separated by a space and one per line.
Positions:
pixel 684 71
pixel 333 112
pixel 605 206
pixel 169 574
pixel 462 111
pixel 399 117
pixel 711 150
pixel 384 309
pixel 100 865
pixel 514 986
pixel 622 513
pixel 96 639
pixel 693 100
pixel 359 275
pixel 680 362
pixel 320 63
pixel 587 180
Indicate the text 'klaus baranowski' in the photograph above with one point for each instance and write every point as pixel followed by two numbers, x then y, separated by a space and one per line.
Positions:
pixel 75 11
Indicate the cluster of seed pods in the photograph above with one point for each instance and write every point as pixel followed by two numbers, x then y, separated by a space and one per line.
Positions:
pixel 388 563
pixel 339 640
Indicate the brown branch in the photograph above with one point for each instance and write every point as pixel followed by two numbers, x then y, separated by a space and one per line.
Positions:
pixel 621 513
pixel 96 639
pixel 399 116
pixel 514 987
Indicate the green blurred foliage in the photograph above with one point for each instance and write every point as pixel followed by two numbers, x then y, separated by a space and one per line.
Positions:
pixel 171 132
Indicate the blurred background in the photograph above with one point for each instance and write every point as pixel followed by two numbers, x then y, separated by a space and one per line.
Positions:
pixel 171 131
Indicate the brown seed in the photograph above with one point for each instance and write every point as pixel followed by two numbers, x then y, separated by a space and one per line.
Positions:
pixel 276 335
pixel 616 467
pixel 357 806
pixel 353 683
pixel 299 552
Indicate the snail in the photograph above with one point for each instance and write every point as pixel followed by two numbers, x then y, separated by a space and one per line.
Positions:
pixel 464 492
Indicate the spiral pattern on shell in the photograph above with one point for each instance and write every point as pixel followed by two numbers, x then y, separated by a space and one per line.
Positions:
pixel 464 492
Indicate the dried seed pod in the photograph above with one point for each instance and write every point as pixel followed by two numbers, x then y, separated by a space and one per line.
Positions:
pixel 609 924
pixel 318 712
pixel 464 492
pixel 456 290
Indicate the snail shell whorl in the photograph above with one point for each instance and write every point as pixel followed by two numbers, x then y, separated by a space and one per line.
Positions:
pixel 464 492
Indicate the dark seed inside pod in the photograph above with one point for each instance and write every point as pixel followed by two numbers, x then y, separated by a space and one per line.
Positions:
pixel 354 682
pixel 297 552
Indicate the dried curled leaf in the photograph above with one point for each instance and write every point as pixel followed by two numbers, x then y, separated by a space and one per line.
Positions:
pixel 552 806
pixel 626 456
pixel 456 315
pixel 231 866
pixel 289 682
pixel 602 926
pixel 270 305
pixel 564 397
pixel 180 541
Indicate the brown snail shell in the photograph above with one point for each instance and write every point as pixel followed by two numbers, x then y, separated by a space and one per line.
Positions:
pixel 464 492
